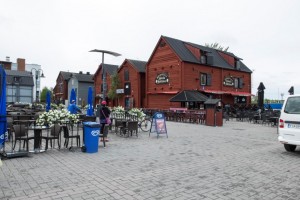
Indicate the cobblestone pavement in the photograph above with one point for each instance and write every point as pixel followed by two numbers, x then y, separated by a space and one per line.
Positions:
pixel 237 161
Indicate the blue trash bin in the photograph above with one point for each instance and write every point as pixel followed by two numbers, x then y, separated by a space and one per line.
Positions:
pixel 91 136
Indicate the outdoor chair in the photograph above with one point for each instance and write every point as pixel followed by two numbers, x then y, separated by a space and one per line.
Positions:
pixel 118 125
pixel 53 134
pixel 132 126
pixel 10 121
pixel 21 134
pixel 66 129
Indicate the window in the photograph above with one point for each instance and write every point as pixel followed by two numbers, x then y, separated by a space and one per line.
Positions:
pixel 237 64
pixel 203 58
pixel 292 105
pixel 238 83
pixel 126 75
pixel 205 79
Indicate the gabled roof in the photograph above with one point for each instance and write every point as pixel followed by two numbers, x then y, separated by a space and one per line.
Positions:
pixel 26 78
pixel 179 47
pixel 110 69
pixel 140 66
pixel 80 76
pixel 189 96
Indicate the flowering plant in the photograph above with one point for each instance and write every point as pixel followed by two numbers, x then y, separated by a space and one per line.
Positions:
pixel 118 110
pixel 61 106
pixel 53 106
pixel 137 112
pixel 53 116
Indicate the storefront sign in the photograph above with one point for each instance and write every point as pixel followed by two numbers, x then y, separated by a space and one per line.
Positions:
pixel 228 81
pixel 162 78
pixel 158 124
pixel 120 91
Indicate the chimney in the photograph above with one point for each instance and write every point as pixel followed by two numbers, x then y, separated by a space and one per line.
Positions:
pixel 88 73
pixel 7 59
pixel 21 64
pixel 80 72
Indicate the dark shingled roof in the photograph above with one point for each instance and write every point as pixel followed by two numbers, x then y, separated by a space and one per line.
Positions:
pixel 80 76
pixel 26 78
pixel 140 66
pixel 189 96
pixel 110 69
pixel 212 101
pixel 186 55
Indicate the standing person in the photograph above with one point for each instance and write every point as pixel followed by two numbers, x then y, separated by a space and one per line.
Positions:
pixel 73 108
pixel 104 113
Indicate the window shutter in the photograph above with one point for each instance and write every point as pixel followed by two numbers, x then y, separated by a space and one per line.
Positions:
pixel 208 80
pixel 241 83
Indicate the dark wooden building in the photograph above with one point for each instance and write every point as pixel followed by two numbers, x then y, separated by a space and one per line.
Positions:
pixel 176 66
pixel 132 78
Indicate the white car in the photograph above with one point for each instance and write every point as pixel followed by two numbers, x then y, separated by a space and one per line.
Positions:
pixel 289 123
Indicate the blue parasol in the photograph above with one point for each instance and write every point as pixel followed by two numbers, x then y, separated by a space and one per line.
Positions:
pixel 73 96
pixel 90 110
pixel 3 122
pixel 48 101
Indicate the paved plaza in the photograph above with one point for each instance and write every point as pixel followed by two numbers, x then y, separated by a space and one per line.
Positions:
pixel 240 160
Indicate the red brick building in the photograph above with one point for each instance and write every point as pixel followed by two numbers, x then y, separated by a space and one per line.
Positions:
pixel 132 77
pixel 98 85
pixel 176 66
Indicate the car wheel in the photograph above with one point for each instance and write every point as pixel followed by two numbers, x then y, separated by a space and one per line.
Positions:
pixel 290 147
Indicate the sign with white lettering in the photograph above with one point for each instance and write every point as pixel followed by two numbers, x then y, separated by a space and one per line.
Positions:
pixel 162 78
pixel 120 91
pixel 228 81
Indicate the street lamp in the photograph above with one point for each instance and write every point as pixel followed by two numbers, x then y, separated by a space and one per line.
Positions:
pixel 103 71
pixel 37 75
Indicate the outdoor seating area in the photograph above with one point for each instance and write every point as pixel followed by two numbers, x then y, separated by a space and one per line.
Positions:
pixel 265 117
pixel 30 137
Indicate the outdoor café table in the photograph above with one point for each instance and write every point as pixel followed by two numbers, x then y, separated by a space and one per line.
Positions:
pixel 37 130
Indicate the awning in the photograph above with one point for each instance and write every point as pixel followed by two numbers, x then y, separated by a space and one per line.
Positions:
pixel 215 91
pixel 233 93
pixel 244 94
pixel 189 96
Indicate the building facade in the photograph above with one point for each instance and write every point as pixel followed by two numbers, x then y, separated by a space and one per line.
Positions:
pixel 132 88
pixel 66 81
pixel 19 86
pixel 176 66
pixel 98 83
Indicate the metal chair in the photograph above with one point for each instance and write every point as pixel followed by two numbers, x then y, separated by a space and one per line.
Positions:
pixel 53 134
pixel 21 134
pixel 132 126
pixel 68 136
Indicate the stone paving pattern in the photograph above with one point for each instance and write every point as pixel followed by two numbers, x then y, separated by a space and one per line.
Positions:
pixel 237 161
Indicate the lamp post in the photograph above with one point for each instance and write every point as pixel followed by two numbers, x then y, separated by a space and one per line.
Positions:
pixel 37 75
pixel 103 70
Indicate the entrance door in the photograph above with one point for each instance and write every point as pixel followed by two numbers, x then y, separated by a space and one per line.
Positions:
pixel 127 103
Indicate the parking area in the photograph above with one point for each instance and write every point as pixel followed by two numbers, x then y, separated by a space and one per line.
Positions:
pixel 240 160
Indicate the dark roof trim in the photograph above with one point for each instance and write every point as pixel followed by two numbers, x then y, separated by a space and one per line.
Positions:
pixel 189 96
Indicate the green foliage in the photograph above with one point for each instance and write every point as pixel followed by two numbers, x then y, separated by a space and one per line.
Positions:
pixel 44 94
pixel 115 84
pixel 217 46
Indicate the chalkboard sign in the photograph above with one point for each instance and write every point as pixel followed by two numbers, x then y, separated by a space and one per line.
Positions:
pixel 158 124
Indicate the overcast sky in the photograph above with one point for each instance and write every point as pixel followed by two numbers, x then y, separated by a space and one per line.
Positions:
pixel 58 34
